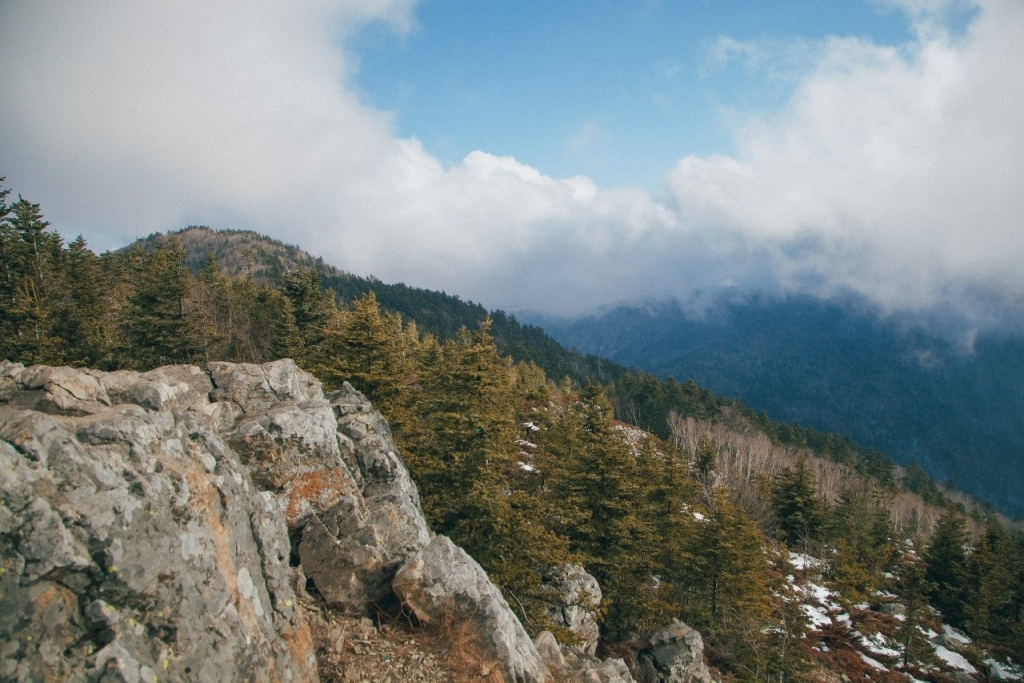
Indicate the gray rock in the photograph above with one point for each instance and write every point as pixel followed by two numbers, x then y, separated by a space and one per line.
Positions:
pixel 135 546
pixel 173 387
pixel 574 599
pixel 347 497
pixel 893 608
pixel 675 655
pixel 443 583
pixel 573 666
pixel 58 391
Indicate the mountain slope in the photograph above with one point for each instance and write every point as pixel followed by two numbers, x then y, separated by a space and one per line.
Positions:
pixel 239 252
pixel 841 367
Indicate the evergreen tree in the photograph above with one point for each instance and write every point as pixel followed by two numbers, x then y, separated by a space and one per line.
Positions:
pixel 158 329
pixel 314 310
pixel 80 316
pixel 799 512
pixel 944 562
pixel 913 587
pixel 31 269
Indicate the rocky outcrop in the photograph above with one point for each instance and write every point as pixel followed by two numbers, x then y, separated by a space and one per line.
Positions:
pixel 148 522
pixel 572 666
pixel 134 544
pixel 574 598
pixel 443 583
pixel 675 655
pixel 347 498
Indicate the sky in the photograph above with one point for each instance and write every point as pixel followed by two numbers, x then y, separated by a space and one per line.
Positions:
pixel 543 156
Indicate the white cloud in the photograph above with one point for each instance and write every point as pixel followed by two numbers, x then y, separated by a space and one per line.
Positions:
pixel 895 172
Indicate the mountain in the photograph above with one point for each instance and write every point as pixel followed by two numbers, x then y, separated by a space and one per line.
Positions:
pixel 842 367
pixel 242 252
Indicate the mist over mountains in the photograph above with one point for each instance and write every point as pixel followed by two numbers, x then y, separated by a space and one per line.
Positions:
pixel 951 401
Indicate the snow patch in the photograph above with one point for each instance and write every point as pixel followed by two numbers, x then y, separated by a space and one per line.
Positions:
pixel 872 662
pixel 954 659
pixel 1004 672
pixel 803 561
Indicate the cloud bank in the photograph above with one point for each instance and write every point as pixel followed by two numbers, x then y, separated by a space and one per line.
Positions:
pixel 893 172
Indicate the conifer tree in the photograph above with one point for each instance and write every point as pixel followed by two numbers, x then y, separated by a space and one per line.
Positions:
pixel 913 586
pixel 374 351
pixel 798 510
pixel 314 309
pixel 31 268
pixel 728 572
pixel 158 329
pixel 81 314
pixel 944 562
pixel 287 341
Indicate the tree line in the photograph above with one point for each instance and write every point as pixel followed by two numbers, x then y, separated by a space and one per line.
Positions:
pixel 526 471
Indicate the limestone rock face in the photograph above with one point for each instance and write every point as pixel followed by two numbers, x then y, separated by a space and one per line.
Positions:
pixel 574 597
pixel 134 545
pixel 571 665
pixel 676 655
pixel 442 582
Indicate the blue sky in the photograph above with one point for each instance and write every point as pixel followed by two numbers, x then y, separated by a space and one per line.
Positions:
pixel 616 91
pixel 553 156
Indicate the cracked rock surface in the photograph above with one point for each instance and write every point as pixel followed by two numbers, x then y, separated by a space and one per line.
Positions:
pixel 134 545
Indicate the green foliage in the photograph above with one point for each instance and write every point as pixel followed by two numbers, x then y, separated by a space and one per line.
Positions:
pixel 799 513
pixel 944 563
pixel 159 328
pixel 862 532
pixel 913 586
pixel 30 284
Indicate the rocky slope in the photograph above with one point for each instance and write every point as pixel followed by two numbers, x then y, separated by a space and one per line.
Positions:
pixel 164 526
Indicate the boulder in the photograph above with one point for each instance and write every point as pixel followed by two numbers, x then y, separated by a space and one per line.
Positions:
pixel 570 665
pixel 574 600
pixel 443 584
pixel 57 391
pixel 675 655
pixel 133 543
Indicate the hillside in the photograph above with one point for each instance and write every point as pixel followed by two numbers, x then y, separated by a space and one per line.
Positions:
pixel 240 252
pixel 841 367
pixel 530 474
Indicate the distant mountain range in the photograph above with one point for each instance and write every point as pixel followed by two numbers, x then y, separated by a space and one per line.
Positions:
pixel 839 366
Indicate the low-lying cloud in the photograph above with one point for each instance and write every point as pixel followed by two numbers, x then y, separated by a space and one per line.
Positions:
pixel 893 172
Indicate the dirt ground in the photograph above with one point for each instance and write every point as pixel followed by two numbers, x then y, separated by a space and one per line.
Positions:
pixel 392 648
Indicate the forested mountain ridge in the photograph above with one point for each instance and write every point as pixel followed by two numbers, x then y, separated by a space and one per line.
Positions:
pixel 841 367
pixel 528 471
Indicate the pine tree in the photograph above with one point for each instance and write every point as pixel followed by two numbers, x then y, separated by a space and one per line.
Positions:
pixel 913 587
pixel 944 562
pixel 372 350
pixel 31 269
pixel 158 329
pixel 287 341
pixel 728 572
pixel 81 314
pixel 314 309
pixel 798 510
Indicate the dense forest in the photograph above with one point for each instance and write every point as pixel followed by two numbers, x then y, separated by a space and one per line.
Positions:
pixel 529 456
pixel 920 389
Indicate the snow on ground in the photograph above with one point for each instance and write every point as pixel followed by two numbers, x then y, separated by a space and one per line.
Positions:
pixel 802 561
pixel 954 659
pixel 877 644
pixel 1004 672
pixel 817 616
pixel 872 662
pixel 955 635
